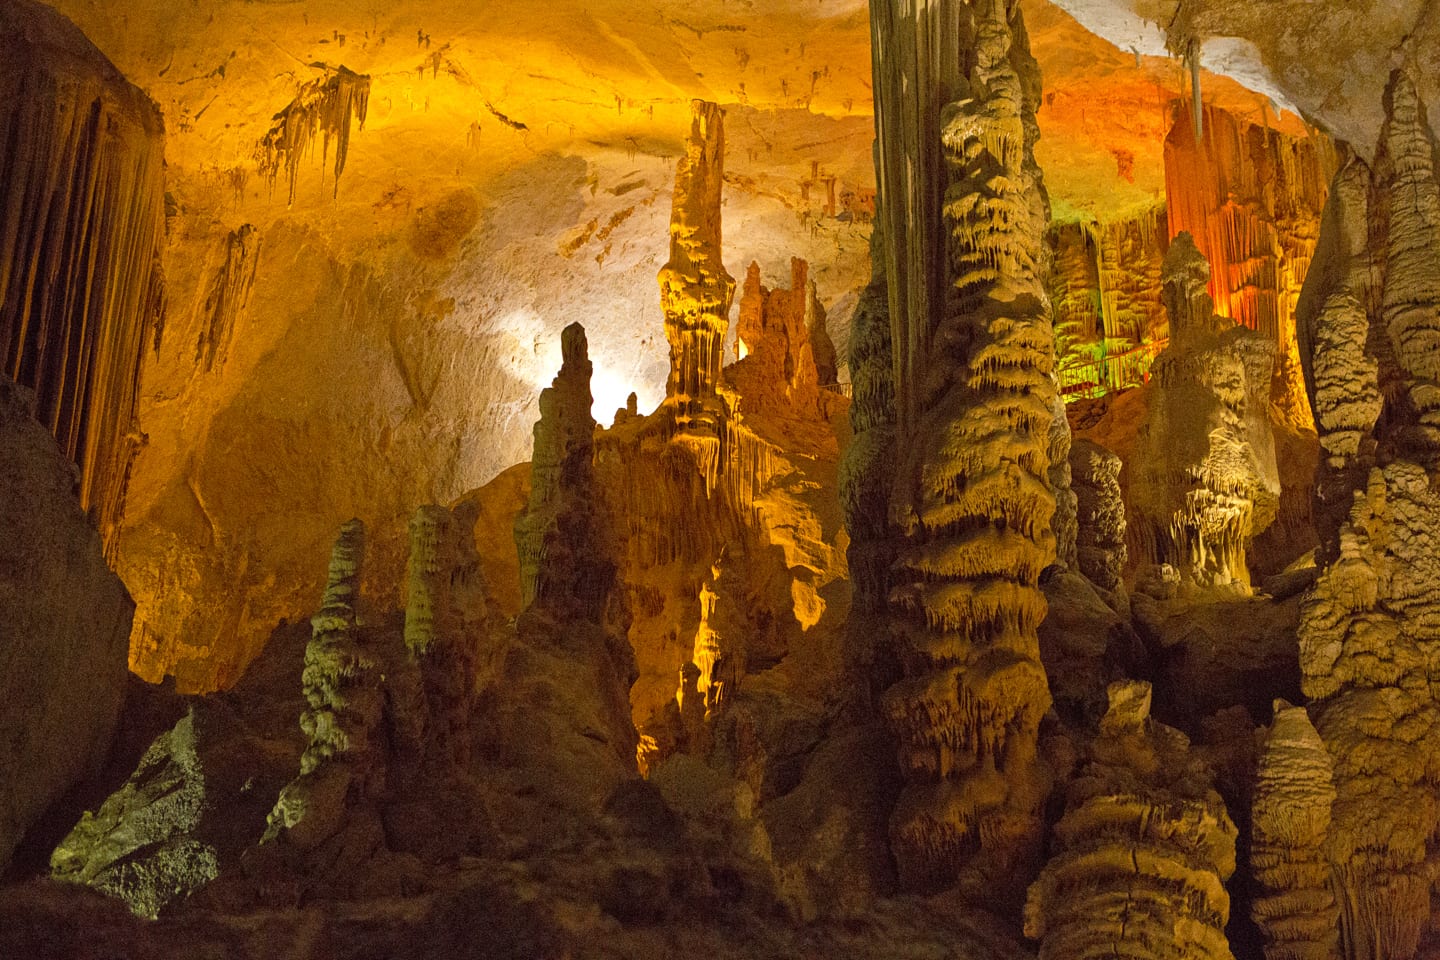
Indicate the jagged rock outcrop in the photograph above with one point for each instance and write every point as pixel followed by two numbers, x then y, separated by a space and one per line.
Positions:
pixel 1290 817
pixel 1100 513
pixel 1367 634
pixel 1205 477
pixel 64 627
pixel 695 289
pixel 974 356
pixel 344 763
pixel 1143 850
pixel 776 338
pixel 82 225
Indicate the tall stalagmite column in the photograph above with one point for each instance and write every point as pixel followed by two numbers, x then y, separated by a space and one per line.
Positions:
pixel 81 227
pixel 695 289
pixel 1369 320
pixel 965 213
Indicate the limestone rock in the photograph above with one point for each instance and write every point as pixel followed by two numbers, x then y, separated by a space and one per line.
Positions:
pixel 64 627
pixel 1142 852
pixel 1100 513
pixel 1206 480
pixel 971 496
pixel 1290 818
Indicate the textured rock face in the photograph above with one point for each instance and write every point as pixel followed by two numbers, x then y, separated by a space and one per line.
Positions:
pixel 83 210
pixel 1100 547
pixel 1206 481
pixel 1368 317
pixel 1142 851
pixel 64 620
pixel 973 360
pixel 1290 818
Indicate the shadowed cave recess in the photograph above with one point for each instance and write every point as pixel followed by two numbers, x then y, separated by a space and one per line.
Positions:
pixel 731 478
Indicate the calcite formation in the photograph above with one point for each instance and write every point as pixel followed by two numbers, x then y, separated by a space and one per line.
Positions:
pixel 344 762
pixel 774 340
pixel 1369 314
pixel 327 107
pixel 973 364
pixel 1251 198
pixel 695 289
pixel 1106 279
pixel 1289 821
pixel 64 627
pixel 446 621
pixel 1100 548
pixel 1206 481
pixel 82 290
pixel 1143 850
pixel 228 295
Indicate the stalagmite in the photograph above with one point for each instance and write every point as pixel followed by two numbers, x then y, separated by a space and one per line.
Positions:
pixel 344 761
pixel 564 445
pixel 975 396
pixel 1367 634
pixel 1290 817
pixel 1205 480
pixel 1142 852
pixel 1100 543
pixel 695 289
pixel 445 619
pixel 81 230
pixel 775 343
pixel 328 106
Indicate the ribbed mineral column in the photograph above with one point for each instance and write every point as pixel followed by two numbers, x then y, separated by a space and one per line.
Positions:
pixel 695 289
pixel 974 356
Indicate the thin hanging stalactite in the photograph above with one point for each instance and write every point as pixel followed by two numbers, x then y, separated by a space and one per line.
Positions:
pixel 327 105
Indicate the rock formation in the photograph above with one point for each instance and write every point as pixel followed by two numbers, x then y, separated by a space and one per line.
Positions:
pixel 64 627
pixel 1142 852
pixel 445 624
pixel 973 363
pixel 327 106
pixel 695 289
pixel 1100 547
pixel 774 345
pixel 81 230
pixel 344 763
pixel 1290 818
pixel 1206 480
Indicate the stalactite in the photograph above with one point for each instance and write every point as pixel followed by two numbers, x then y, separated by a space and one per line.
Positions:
pixel 328 105
pixel 1251 197
pixel 1142 851
pixel 695 289
pixel 81 228
pixel 972 498
pixel 228 296
pixel 1290 817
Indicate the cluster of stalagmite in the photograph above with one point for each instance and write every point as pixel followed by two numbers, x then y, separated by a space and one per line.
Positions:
pixel 973 364
pixel 327 106
pixel 81 229
pixel 445 620
pixel 1289 820
pixel 1142 852
pixel 695 289
pixel 1100 546
pixel 343 680
pixel 1370 320
pixel 1205 479
pixel 780 339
